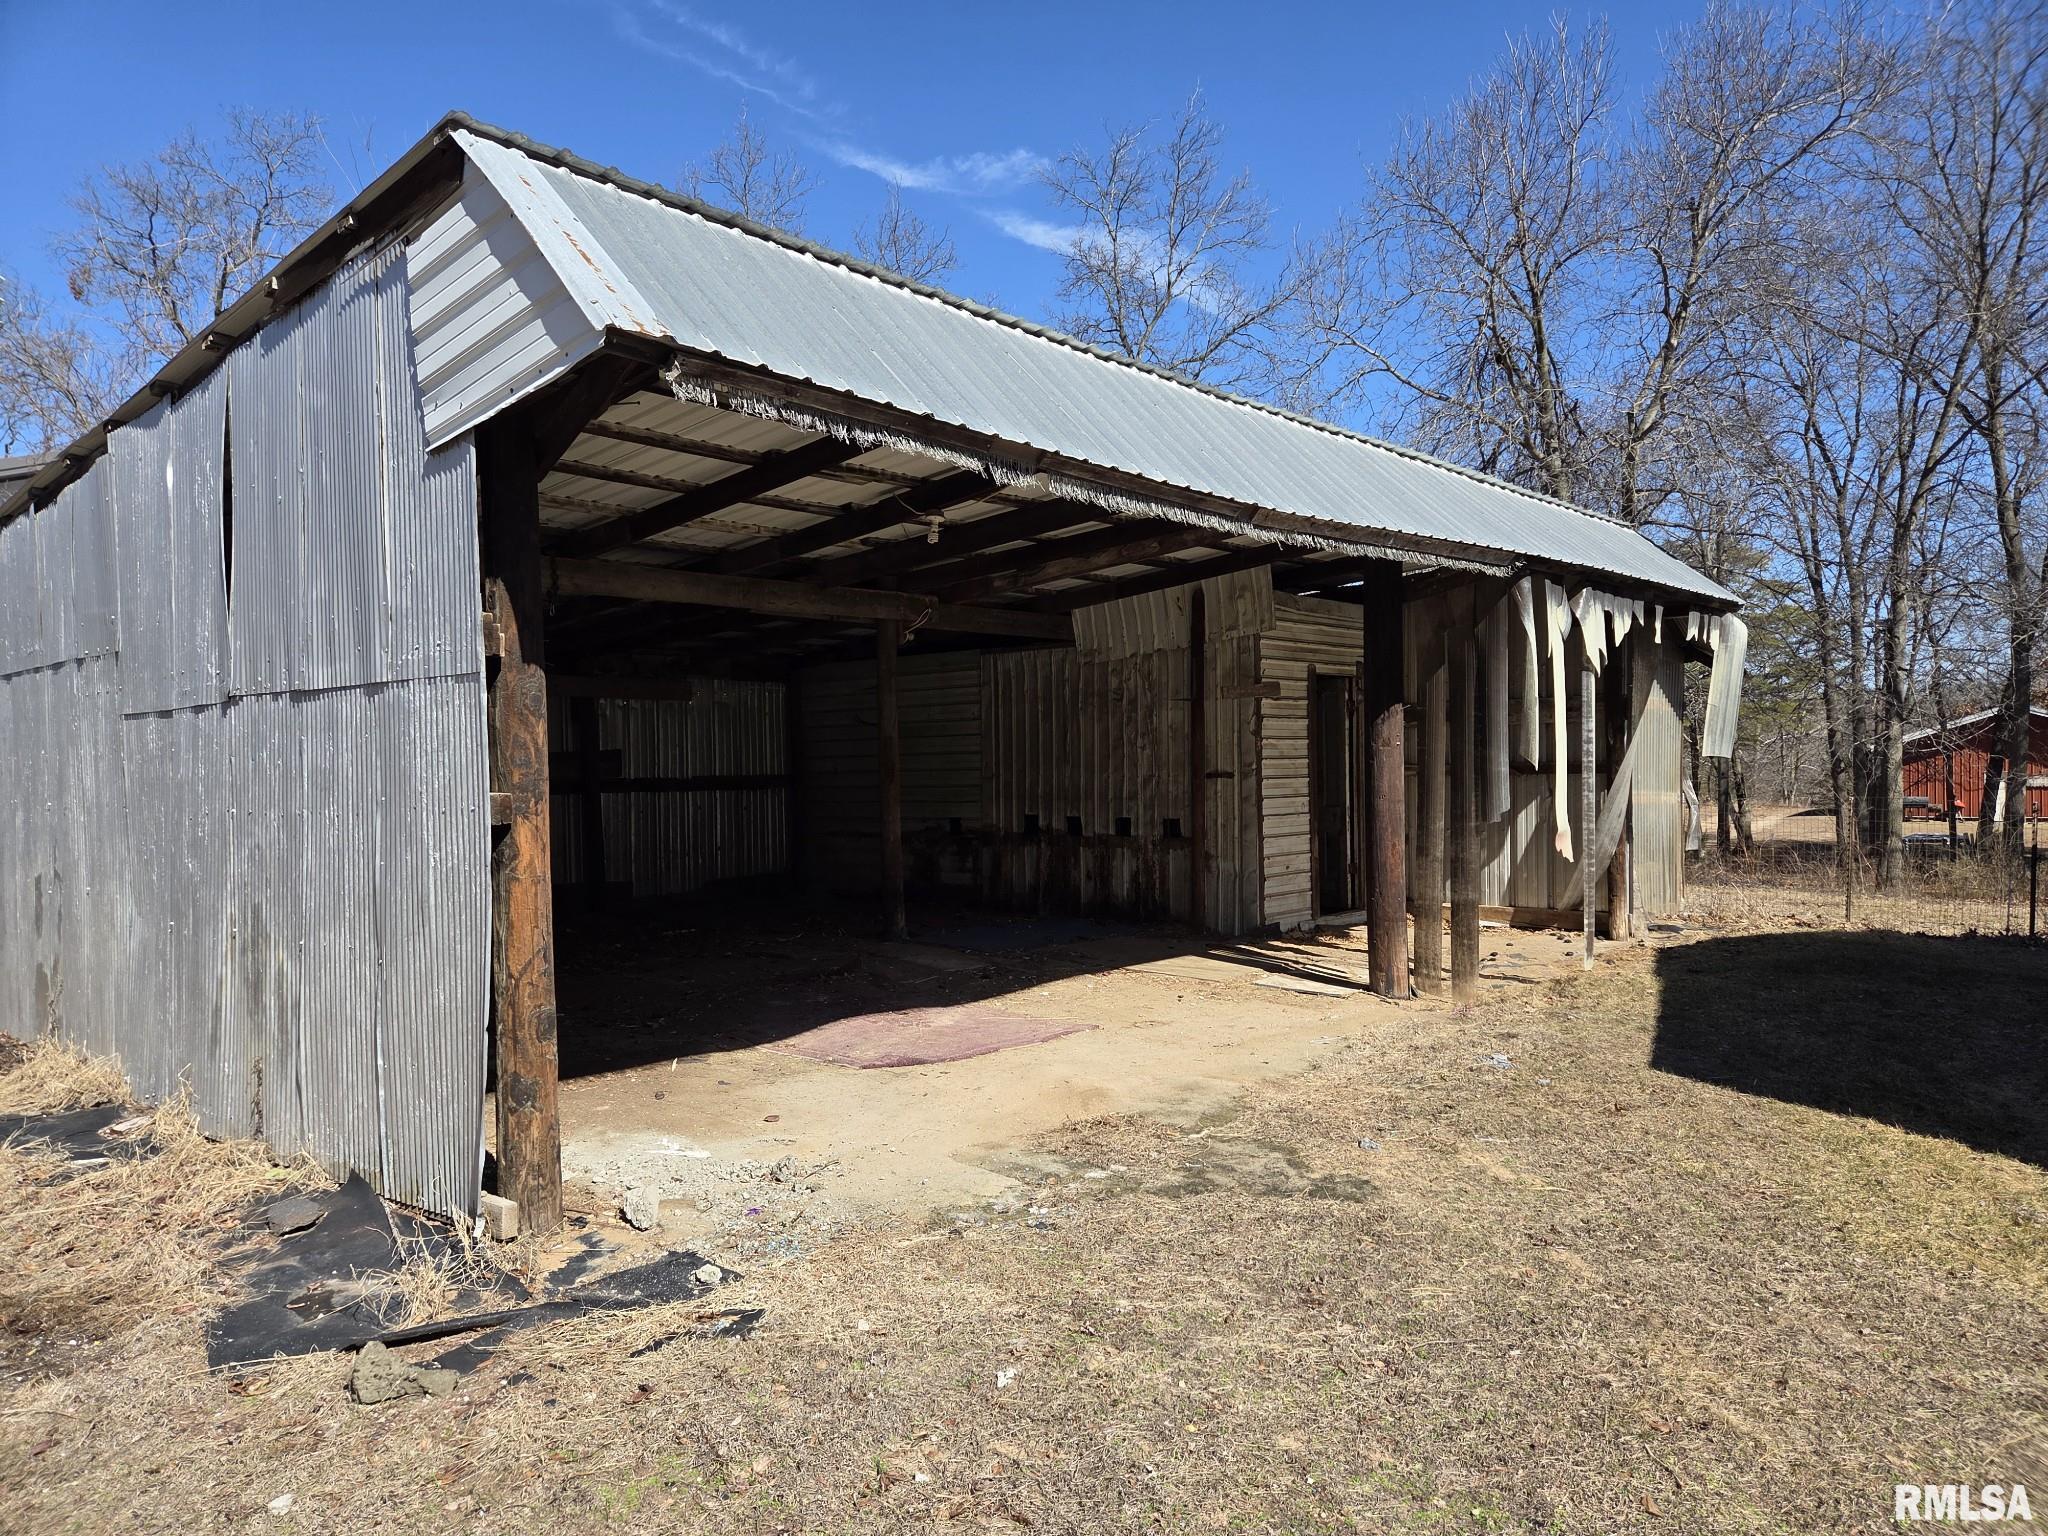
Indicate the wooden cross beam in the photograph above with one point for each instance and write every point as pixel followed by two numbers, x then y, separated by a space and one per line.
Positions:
pixel 666 584
pixel 702 501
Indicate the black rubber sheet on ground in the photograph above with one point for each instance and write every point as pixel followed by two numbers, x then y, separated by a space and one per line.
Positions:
pixel 78 1135
pixel 322 1287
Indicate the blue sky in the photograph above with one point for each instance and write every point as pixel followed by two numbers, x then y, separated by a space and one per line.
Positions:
pixel 959 100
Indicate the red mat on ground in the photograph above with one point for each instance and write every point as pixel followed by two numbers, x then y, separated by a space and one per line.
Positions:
pixel 916 1037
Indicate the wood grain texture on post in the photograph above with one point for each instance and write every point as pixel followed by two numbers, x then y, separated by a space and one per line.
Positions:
pixel 1461 800
pixel 522 896
pixel 1385 771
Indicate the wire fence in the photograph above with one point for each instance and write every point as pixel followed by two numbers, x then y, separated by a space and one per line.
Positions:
pixel 1793 874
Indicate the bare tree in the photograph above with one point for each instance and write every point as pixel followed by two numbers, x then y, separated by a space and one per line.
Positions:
pixel 56 377
pixel 900 240
pixel 1541 289
pixel 744 173
pixel 162 246
pixel 1467 272
pixel 1983 212
pixel 1162 265
pixel 159 249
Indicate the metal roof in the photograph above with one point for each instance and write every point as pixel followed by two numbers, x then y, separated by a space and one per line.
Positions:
pixel 641 261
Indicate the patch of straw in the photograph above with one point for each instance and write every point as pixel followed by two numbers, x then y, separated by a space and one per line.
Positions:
pixel 54 1076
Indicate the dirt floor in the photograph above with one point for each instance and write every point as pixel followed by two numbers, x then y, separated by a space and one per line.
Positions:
pixel 760 1151
pixel 1731 1234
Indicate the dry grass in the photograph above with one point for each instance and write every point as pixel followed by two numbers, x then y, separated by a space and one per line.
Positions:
pixel 1615 1286
pixel 46 1077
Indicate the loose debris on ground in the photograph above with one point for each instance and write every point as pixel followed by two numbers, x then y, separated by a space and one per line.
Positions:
pixel 1536 1265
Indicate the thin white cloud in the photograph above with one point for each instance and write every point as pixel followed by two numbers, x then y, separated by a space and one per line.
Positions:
pixel 1045 234
pixel 976 173
pixel 673 31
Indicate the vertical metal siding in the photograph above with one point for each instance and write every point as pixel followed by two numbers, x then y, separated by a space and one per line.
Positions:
pixel 672 842
pixel 276 901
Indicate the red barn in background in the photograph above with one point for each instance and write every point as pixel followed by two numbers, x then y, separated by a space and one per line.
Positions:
pixel 1968 744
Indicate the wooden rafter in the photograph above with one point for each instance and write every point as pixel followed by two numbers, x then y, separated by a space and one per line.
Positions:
pixel 1170 574
pixel 955 542
pixel 703 501
pixel 925 499
pixel 1064 559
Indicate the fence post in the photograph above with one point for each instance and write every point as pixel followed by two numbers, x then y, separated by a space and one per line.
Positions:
pixel 2034 894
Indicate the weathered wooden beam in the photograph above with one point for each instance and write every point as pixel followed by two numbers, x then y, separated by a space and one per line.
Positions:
pixel 1383 763
pixel 1461 802
pixel 556 418
pixel 703 501
pixel 889 764
pixel 667 584
pixel 955 542
pixel 725 453
pixel 522 905
pixel 926 499
pixel 1425 901
pixel 1064 559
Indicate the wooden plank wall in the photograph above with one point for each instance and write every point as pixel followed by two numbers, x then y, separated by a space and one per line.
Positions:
pixel 939 702
pixel 1086 801
pixel 1656 806
pixel 1310 637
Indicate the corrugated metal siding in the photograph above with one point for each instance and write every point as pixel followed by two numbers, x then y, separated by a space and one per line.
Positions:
pixel 650 267
pixel 355 557
pixel 491 319
pixel 278 902
pixel 671 842
pixel 169 549
pixel 1656 810
pixel 939 721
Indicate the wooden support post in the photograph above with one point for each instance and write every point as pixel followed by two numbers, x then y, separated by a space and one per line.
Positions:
pixel 1198 759
pixel 522 899
pixel 1461 801
pixel 1426 901
pixel 1384 767
pixel 889 758
pixel 589 797
pixel 1589 799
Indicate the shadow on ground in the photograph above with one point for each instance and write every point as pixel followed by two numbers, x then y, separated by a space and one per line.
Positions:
pixel 758 963
pixel 1941 1036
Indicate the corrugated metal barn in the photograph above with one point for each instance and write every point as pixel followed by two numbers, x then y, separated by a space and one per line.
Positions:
pixel 534 531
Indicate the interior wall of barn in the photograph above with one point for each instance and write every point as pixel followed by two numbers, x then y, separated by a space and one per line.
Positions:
pixel 694 790
pixel 245 845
